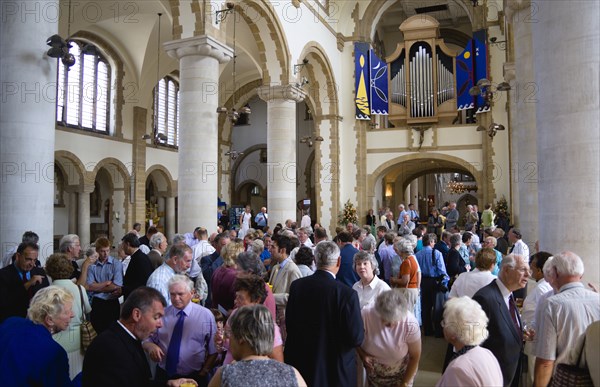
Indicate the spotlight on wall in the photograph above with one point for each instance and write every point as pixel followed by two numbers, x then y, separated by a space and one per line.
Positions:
pixel 492 129
pixel 233 154
pixel 221 15
pixel 303 82
pixel 309 140
pixel 298 67
pixel 158 139
pixel 486 90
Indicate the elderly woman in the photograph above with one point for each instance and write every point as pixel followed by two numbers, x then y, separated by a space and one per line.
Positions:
pixel 223 278
pixel 28 354
pixel 435 222
pixel 158 243
pixel 392 346
pixel 251 340
pixel 250 290
pixel 249 263
pixel 369 286
pixel 59 268
pixel 465 327
pixel 305 259
pixel 408 280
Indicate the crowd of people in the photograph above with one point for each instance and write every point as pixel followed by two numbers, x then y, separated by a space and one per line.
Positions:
pixel 292 306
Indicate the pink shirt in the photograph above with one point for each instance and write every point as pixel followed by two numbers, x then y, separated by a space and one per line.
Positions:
pixel 389 345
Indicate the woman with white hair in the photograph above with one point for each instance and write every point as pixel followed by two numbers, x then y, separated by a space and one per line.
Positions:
pixel 369 286
pixel 392 346
pixel 250 342
pixel 28 354
pixel 465 327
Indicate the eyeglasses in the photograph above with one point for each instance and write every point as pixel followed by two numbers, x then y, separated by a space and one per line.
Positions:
pixel 523 270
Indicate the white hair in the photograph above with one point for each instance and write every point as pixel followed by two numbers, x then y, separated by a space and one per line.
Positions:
pixel 465 320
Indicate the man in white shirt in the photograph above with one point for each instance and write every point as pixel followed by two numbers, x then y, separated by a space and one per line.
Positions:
pixel 203 247
pixel 468 283
pixel 564 317
pixel 518 246
pixel 180 260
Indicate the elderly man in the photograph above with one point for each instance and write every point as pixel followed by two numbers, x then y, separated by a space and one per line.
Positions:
pixel 71 246
pixel 180 260
pixel 505 338
pixel 386 254
pixel 261 219
pixel 20 281
pixel 104 284
pixel 9 257
pixel 452 216
pixel 139 268
pixel 564 316
pixel 303 234
pixel 185 345
pixel 407 226
pixel 158 243
pixel 324 324
pixel 402 212
pixel 116 356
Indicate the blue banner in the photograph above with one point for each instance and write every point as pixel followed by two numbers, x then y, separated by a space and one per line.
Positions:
pixel 378 85
pixel 471 66
pixel 362 80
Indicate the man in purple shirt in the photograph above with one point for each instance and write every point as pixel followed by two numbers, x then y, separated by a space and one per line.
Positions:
pixel 196 351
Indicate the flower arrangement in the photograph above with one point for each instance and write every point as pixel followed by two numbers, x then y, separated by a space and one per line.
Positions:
pixel 348 214
pixel 501 207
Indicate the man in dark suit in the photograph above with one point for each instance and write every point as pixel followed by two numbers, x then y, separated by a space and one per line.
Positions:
pixel 140 267
pixel 505 338
pixel 116 357
pixel 324 325
pixel 20 280
pixel 346 273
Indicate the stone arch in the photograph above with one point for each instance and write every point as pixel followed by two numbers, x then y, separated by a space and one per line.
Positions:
pixel 71 167
pixel 119 169
pixel 163 178
pixel 320 65
pixel 364 29
pixel 410 166
pixel 266 27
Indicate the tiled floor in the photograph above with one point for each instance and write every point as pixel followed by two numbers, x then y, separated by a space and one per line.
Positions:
pixel 433 352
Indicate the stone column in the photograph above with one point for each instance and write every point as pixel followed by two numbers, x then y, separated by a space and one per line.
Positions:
pixel 566 42
pixel 170 217
pixel 27 121
pixel 281 150
pixel 414 194
pixel 72 229
pixel 83 216
pixel 406 199
pixel 524 168
pixel 199 59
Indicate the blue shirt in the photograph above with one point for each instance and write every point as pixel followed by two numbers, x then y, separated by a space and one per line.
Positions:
pixel 432 268
pixel 261 219
pixel 111 270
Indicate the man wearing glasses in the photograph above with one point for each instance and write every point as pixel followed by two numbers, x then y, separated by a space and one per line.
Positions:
pixel 505 338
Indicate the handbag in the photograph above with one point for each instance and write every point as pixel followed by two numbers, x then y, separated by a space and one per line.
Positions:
pixel 87 331
pixel 567 375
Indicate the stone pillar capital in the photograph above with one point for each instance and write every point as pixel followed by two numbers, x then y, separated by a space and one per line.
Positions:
pixel 285 92
pixel 86 188
pixel 199 45
pixel 509 71
pixel 513 6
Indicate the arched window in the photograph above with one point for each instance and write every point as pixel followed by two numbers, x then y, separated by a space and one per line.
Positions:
pixel 166 110
pixel 84 90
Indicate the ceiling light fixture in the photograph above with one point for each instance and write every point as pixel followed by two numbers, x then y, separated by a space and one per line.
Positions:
pixel 233 114
pixel 59 47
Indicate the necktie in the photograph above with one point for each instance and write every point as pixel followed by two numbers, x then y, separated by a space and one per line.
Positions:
pixel 511 249
pixel 513 314
pixel 174 346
